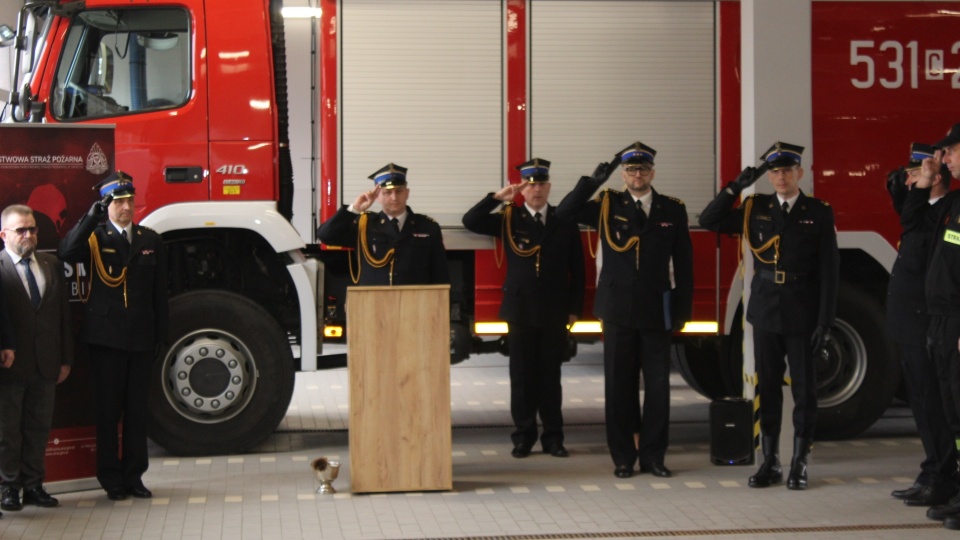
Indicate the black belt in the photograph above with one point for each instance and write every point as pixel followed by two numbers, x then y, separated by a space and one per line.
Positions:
pixel 779 276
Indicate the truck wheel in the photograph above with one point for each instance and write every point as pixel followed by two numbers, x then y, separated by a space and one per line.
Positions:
pixel 225 381
pixel 857 372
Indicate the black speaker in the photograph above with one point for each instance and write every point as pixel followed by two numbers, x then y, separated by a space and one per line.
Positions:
pixel 731 432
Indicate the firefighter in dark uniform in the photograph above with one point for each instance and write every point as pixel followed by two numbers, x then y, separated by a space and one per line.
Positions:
pixel 907 322
pixel 125 322
pixel 942 290
pixel 542 294
pixel 638 300
pixel 394 246
pixel 792 296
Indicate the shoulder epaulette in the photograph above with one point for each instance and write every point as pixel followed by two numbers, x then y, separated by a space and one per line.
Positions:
pixel 148 229
pixel 428 218
pixel 606 193
pixel 825 203
pixel 676 200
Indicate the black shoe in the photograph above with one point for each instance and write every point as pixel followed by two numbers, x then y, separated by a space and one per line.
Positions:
pixel 929 496
pixel 10 499
pixel 797 480
pixel 623 471
pixel 521 450
pixel 140 492
pixel 556 450
pixel 39 497
pixel 657 469
pixel 116 494
pixel 952 523
pixel 940 513
pixel 770 473
pixel 908 493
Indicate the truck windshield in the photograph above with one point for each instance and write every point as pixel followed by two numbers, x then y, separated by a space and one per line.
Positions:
pixel 118 62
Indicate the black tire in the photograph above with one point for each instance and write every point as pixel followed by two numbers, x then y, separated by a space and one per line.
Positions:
pixel 225 381
pixel 858 375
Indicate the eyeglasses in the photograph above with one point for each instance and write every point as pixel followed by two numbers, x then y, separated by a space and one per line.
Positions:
pixel 638 170
pixel 22 231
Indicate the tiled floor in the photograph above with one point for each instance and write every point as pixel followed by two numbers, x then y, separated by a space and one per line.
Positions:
pixel 270 493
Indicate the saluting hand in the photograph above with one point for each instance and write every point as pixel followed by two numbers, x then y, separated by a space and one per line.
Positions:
pixel 508 193
pixel 365 200
pixel 929 169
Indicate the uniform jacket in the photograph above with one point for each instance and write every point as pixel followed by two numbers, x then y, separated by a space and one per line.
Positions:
pixel 140 323
pixel 943 272
pixel 906 309
pixel 419 257
pixel 638 297
pixel 45 338
pixel 539 299
pixel 808 255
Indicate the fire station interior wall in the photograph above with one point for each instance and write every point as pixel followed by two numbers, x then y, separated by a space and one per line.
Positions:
pixel 422 88
pixel 607 73
pixel 776 101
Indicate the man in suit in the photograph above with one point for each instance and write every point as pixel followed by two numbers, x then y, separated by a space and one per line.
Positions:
pixel 639 302
pixel 125 322
pixel 35 297
pixel 792 296
pixel 542 294
pixel 394 246
pixel 907 322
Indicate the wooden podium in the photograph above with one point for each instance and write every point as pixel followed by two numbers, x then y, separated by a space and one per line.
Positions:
pixel 398 358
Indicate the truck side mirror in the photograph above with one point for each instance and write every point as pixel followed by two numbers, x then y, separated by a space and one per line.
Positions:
pixel 101 74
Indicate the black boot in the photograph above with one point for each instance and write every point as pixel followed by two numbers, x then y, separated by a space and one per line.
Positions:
pixel 770 471
pixel 798 467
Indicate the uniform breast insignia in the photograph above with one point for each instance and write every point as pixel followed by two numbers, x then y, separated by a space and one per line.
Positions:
pixel 108 250
pixel 421 235
pixel 762 217
pixel 147 251
pixel 952 237
pixel 806 222
pixel 663 224
pixel 621 218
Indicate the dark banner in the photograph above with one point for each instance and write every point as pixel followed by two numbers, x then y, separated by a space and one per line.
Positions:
pixel 52 169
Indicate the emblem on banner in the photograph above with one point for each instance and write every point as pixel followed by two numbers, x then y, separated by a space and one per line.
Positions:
pixel 97 162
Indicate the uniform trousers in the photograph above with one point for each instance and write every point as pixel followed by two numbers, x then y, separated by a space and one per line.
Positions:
pixel 943 339
pixel 926 402
pixel 536 355
pixel 628 352
pixel 26 410
pixel 770 349
pixel 122 383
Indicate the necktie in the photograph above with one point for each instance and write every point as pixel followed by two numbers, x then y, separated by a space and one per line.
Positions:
pixel 396 224
pixel 31 283
pixel 538 218
pixel 123 234
pixel 785 207
pixel 641 215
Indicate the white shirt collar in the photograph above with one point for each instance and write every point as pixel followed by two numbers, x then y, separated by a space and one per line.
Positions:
pixel 790 202
pixel 533 211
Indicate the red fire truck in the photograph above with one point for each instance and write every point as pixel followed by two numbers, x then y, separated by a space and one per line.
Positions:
pixel 246 123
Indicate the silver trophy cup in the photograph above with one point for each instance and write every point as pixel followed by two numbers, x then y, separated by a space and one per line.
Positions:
pixel 326 473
